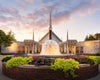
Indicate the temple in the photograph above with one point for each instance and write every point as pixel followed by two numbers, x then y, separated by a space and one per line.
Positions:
pixel 66 47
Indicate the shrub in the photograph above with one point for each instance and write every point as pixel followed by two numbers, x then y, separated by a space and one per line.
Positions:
pixel 6 58
pixel 85 60
pixel 95 58
pixel 48 61
pixel 67 65
pixel 9 53
pixel 88 54
pixel 28 59
pixel 42 61
pixel 15 61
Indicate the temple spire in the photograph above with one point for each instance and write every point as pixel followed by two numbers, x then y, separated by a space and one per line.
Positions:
pixel 50 28
pixel 33 35
pixel 33 43
pixel 67 43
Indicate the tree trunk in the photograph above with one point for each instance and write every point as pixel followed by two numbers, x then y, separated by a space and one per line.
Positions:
pixel 0 49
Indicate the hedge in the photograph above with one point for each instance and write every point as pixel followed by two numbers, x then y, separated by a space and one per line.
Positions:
pixel 89 54
pixel 9 53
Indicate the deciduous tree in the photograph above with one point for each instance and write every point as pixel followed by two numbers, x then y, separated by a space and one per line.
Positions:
pixel 6 39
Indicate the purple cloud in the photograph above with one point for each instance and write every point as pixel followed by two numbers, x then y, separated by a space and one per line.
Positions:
pixel 62 10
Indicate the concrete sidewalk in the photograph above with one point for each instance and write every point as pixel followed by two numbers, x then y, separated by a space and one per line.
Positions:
pixel 3 77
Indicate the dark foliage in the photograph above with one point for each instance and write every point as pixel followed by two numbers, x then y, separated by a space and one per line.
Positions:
pixel 93 37
pixel 44 61
pixel 6 39
pixel 85 61
pixel 6 59
pixel 95 54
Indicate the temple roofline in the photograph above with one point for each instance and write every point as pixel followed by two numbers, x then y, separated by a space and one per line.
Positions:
pixel 47 34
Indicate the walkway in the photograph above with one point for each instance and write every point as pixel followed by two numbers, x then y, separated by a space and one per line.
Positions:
pixel 2 77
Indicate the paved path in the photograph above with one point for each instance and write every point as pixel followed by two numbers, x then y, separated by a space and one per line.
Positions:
pixel 3 77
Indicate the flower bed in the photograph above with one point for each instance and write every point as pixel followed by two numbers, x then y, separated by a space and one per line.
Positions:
pixel 32 72
pixel 49 68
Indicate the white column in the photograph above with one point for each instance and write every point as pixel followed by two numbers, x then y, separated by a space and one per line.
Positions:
pixel 36 48
pixel 25 49
pixel 67 49
pixel 28 50
pixel 21 49
pixel 75 50
pixel 32 49
pixel 79 49
pixel 64 47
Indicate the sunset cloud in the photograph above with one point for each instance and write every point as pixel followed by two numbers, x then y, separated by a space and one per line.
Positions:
pixel 34 14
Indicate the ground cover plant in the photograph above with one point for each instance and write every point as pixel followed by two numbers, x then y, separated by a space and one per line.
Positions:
pixel 95 58
pixel 67 65
pixel 15 61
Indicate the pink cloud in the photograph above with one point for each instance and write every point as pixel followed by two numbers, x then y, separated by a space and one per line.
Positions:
pixel 81 13
pixel 92 10
pixel 21 8
pixel 30 1
pixel 39 18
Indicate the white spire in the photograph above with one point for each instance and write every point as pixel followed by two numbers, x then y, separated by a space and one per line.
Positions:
pixel 67 43
pixel 33 43
pixel 50 28
pixel 50 22
pixel 33 35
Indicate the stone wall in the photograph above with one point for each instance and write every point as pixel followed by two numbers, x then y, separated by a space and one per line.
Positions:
pixel 45 73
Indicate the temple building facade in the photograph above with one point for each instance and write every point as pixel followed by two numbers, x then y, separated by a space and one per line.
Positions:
pixel 66 47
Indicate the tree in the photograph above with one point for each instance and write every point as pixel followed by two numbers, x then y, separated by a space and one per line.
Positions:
pixel 90 37
pixel 97 36
pixel 6 39
pixel 86 39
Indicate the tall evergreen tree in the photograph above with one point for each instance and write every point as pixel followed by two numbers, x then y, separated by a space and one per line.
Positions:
pixel 86 39
pixel 91 37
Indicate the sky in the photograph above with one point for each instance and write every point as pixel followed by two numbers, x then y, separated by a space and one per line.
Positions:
pixel 78 17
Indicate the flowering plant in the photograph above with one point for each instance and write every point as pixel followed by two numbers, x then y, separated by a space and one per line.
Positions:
pixel 67 65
